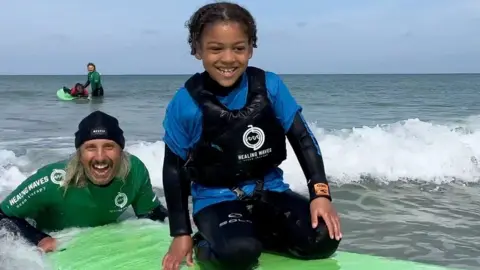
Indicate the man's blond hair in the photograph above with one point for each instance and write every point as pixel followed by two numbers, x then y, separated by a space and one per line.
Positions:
pixel 75 175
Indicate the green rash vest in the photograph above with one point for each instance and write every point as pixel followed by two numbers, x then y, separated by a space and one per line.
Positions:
pixel 42 198
pixel 95 80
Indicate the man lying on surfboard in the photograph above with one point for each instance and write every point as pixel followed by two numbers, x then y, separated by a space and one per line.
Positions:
pixel 226 128
pixel 92 188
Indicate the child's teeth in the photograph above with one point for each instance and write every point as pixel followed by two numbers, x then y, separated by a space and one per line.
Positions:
pixel 227 70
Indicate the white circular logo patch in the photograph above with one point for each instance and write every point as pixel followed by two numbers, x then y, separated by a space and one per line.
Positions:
pixel 121 200
pixel 57 176
pixel 253 137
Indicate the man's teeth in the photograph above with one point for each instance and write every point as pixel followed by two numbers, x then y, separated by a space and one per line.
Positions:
pixel 100 166
pixel 226 70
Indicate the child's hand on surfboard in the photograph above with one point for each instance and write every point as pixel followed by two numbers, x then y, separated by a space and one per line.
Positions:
pixel 322 207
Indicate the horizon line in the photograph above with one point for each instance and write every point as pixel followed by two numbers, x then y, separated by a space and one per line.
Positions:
pixel 289 74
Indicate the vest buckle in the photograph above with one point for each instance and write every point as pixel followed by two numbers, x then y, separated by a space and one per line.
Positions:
pixel 257 191
pixel 239 192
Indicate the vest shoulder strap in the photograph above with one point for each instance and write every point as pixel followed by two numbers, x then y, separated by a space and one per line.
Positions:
pixel 194 86
pixel 256 80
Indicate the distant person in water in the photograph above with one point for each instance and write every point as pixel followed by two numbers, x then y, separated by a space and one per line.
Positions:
pixel 94 80
pixel 92 188
pixel 77 91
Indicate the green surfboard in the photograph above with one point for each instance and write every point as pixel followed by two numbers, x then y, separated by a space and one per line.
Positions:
pixel 141 244
pixel 65 96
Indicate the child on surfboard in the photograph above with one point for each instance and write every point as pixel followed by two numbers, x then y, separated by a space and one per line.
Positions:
pixel 77 91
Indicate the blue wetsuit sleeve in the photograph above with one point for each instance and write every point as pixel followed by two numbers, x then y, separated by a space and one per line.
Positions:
pixel 177 127
pixel 300 136
pixel 283 102
pixel 177 189
pixel 308 153
pixel 181 128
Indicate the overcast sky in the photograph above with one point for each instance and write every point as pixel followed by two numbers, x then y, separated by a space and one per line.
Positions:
pixel 305 36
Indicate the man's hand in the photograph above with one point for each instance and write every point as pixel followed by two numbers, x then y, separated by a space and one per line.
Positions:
pixel 47 244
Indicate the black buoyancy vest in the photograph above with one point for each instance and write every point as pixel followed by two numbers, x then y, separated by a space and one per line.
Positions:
pixel 235 145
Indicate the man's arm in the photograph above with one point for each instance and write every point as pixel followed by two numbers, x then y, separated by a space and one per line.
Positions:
pixel 26 201
pixel 146 203
pixel 21 226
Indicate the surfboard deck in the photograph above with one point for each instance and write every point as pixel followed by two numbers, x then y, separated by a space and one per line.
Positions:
pixel 141 244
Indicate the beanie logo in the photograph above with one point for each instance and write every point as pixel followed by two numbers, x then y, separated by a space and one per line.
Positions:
pixel 98 132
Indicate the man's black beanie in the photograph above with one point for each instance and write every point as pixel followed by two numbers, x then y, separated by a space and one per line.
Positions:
pixel 99 125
